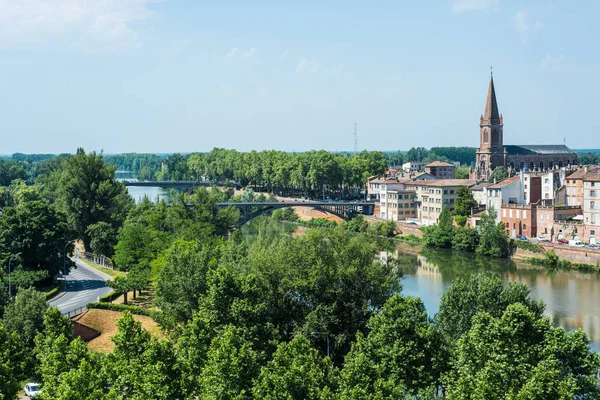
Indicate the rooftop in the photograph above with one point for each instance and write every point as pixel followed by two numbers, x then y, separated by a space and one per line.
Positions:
pixel 587 173
pixel 506 182
pixel 539 149
pixel 439 164
pixel 445 183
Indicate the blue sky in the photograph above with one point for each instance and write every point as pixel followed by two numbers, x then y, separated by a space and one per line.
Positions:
pixel 182 75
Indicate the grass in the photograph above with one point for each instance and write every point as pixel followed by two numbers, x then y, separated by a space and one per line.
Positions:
pixel 104 321
pixel 109 271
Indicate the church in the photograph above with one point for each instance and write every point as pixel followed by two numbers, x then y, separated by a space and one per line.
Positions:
pixel 492 151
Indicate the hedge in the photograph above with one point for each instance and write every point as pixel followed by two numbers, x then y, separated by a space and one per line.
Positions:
pixel 536 248
pixel 52 292
pixel 107 298
pixel 122 307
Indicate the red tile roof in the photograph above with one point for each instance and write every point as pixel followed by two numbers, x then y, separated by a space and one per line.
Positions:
pixel 439 164
pixel 506 182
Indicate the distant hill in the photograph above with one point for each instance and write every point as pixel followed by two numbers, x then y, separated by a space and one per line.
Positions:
pixel 584 151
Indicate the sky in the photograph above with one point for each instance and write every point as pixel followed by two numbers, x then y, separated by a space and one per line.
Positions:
pixel 181 76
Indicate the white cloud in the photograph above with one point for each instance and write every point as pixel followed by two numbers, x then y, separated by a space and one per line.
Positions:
pixel 459 6
pixel 524 26
pixel 306 68
pixel 45 20
pixel 237 53
pixel 558 63
pixel 396 77
pixel 284 55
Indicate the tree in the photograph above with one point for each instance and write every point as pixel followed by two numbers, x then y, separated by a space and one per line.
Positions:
pixel 103 238
pixel 462 173
pixel 465 239
pixel 492 241
pixel 230 368
pixel 34 229
pixel 11 372
pixel 464 299
pixel 297 372
pixel 120 285
pixel 90 194
pixel 519 355
pixel 440 234
pixel 402 354
pixel 25 315
pixel 358 224
pixel 498 174
pixel 183 277
pixel 464 201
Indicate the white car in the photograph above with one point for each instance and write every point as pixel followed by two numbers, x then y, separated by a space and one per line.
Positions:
pixel 32 390
pixel 542 239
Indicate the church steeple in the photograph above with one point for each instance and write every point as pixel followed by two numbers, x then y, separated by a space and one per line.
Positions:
pixel 491 116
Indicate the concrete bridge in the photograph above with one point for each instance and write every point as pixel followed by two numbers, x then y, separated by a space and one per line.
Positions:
pixel 343 209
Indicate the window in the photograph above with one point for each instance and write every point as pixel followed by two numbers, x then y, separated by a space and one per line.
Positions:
pixel 531 165
pixel 546 196
pixel 445 191
pixel 524 227
pixel 592 205
pixel 592 232
pixel 546 180
pixel 541 165
pixel 593 219
pixel 452 191
pixel 550 164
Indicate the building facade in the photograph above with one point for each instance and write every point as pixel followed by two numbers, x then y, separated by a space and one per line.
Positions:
pixel 397 205
pixel 433 196
pixel 519 219
pixel 440 170
pixel 492 152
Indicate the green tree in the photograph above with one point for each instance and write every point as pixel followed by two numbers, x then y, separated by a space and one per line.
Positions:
pixel 358 224
pixel 462 173
pixel 465 239
pixel 230 368
pixel 39 233
pixel 25 315
pixel 297 372
pixel 103 238
pixel 492 242
pixel 403 353
pixel 90 194
pixel 11 372
pixel 465 298
pixel 464 201
pixel 120 285
pixel 440 234
pixel 519 355
pixel 183 277
pixel 498 174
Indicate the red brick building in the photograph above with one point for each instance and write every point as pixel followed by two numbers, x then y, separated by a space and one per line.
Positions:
pixel 440 170
pixel 519 219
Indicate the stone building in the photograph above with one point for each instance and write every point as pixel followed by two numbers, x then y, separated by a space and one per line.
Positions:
pixel 492 152
pixel 441 170
pixel 397 205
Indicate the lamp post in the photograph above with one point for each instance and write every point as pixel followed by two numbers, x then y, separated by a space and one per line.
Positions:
pixel 9 285
pixel 65 263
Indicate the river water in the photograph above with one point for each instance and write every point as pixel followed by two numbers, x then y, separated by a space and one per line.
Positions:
pixel 572 298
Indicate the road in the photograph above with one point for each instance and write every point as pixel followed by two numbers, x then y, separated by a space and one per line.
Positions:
pixel 84 285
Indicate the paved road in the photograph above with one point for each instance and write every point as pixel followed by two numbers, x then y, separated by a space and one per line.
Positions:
pixel 84 285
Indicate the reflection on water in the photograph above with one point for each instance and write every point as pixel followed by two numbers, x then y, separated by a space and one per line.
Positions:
pixel 572 298
pixel 154 193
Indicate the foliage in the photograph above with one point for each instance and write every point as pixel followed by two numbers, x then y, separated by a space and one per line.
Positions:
pixel 25 315
pixel 403 353
pixel 410 238
pixel 492 242
pixel 385 229
pixel 465 239
pixel 465 298
pixel 535 248
pixel 37 231
pixel 297 372
pixel 358 224
pixel 11 371
pixel 90 194
pixel 124 307
pixel 285 214
pixel 440 234
pixel 103 238
pixel 460 220
pixel 498 174
pixel 464 201
pixel 462 173
pixel 519 355
pixel 120 285
pixel 319 223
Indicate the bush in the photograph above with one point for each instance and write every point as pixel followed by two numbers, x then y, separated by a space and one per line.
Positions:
pixel 460 220
pixel 107 298
pixel 285 214
pixel 122 307
pixel 465 239
pixel 52 292
pixel 410 238
pixel 319 223
pixel 536 248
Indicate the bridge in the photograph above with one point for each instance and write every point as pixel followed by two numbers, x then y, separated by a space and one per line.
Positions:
pixel 173 184
pixel 343 209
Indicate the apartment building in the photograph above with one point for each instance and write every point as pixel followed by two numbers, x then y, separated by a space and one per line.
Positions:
pixel 413 166
pixel 377 184
pixel 509 191
pixel 440 170
pixel 397 205
pixel 548 216
pixel 433 196
pixel 591 197
pixel 519 219
pixel 532 188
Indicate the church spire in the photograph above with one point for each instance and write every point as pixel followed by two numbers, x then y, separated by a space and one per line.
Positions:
pixel 491 116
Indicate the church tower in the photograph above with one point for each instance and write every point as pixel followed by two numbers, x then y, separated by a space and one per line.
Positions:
pixel 490 153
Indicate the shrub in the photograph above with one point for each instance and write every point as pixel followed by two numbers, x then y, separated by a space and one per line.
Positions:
pixel 122 307
pixel 536 248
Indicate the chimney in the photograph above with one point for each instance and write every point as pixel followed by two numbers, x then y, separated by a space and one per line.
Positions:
pixel 585 169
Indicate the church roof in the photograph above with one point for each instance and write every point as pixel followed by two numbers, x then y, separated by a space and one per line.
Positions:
pixel 542 149
pixel 491 116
